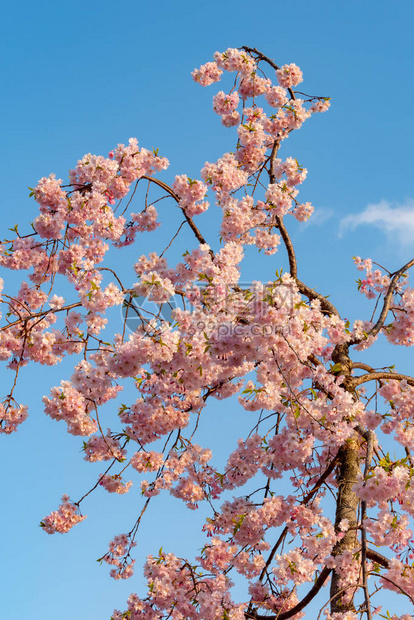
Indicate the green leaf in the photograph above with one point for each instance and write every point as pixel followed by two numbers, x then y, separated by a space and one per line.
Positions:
pixel 336 369
pixel 238 522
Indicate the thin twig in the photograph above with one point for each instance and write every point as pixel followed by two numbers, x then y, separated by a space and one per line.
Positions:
pixel 42 314
pixel 189 220
pixel 305 501
pixel 324 574
pixel 260 56
pixel 387 302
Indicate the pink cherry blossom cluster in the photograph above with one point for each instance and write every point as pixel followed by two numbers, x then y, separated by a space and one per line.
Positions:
pixel 190 192
pixel 226 107
pixel 63 519
pixel 147 461
pixel 67 403
pixel 257 132
pixel 154 287
pixel 399 576
pixel 207 74
pixel 402 329
pixel 118 556
pixel 289 75
pixel 11 417
pixel 388 530
pixel 104 448
pixel 399 395
pixel 375 282
pixel 115 484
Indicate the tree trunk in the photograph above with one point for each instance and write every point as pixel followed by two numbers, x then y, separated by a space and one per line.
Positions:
pixel 346 508
pixel 346 501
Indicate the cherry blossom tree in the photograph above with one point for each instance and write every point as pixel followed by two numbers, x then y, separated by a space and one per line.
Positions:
pixel 192 332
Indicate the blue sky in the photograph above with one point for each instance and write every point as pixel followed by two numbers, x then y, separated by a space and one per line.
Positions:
pixel 81 77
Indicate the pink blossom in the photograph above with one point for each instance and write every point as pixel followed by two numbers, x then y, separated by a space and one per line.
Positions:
pixel 63 519
pixel 225 175
pixel 231 120
pixel 207 74
pixel 11 417
pixel 154 287
pixel 225 104
pixel 289 75
pixel 235 60
pixel 276 96
pixel 115 484
pixel 147 461
pixel 118 557
pixel 321 105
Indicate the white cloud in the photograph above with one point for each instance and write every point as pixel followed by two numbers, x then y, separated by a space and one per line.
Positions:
pixel 319 217
pixel 396 220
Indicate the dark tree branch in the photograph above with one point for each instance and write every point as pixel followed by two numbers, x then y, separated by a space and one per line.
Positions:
pixel 378 558
pixel 377 376
pixel 273 552
pixel 260 56
pixel 293 269
pixel 302 604
pixel 362 366
pixel 310 293
pixel 387 302
pixel 321 480
pixel 171 192
pixel 272 175
pixel 42 314
pixel 305 500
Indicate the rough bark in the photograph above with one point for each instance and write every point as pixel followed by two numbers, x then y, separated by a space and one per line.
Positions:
pixel 346 508
pixel 346 501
